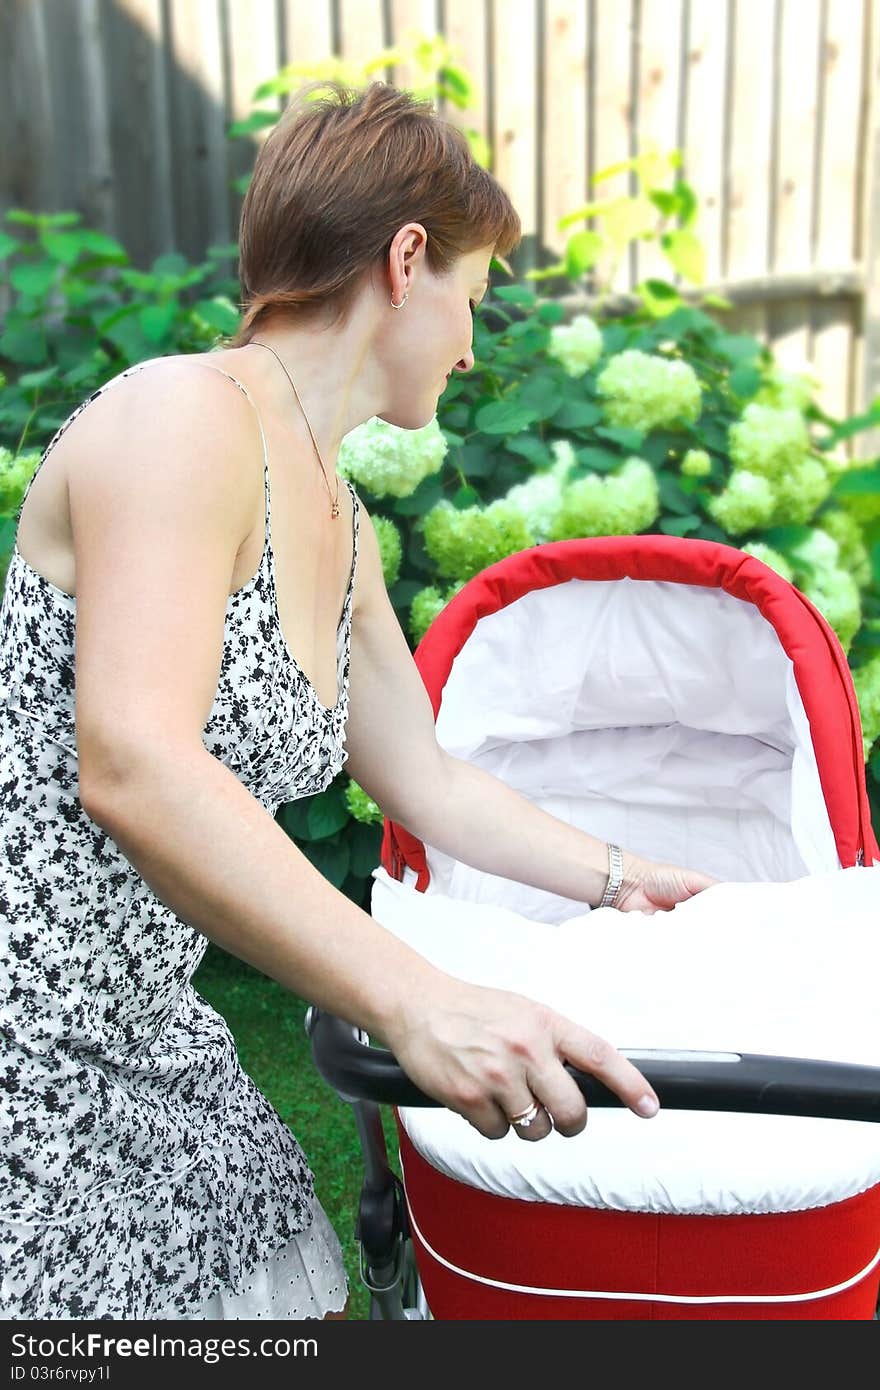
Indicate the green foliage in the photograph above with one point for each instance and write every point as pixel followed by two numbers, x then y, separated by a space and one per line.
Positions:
pixel 655 419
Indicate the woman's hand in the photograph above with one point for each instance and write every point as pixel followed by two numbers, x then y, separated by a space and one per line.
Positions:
pixel 488 1054
pixel 650 887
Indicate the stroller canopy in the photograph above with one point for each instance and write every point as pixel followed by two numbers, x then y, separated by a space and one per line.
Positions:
pixel 677 696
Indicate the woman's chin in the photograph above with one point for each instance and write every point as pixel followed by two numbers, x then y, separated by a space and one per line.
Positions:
pixel 408 419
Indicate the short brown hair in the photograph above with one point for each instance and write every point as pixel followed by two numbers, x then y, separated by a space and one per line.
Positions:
pixel 334 181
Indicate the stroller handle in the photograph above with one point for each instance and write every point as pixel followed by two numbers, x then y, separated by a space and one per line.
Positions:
pixel 737 1081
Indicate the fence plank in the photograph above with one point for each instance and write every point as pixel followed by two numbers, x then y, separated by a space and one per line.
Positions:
pixel 26 110
pixel 748 171
pixel 513 55
pixel 308 32
pixel 361 31
pixel 140 150
pixel 197 105
pixel 564 126
pixel 705 81
pixel 659 43
pixel 867 348
pixel 253 55
pixel 840 76
pixel 465 31
pixel 411 19
pixel 613 134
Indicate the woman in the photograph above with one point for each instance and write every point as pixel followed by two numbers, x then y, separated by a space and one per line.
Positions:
pixel 193 602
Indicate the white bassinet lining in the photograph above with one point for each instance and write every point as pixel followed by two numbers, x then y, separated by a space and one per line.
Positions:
pixel 663 716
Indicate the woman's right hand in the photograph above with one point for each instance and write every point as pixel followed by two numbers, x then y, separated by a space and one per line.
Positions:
pixel 488 1053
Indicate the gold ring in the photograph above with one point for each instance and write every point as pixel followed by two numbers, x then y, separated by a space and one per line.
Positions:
pixel 526 1117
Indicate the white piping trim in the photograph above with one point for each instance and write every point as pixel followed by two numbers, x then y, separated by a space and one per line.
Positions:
pixel 638 1297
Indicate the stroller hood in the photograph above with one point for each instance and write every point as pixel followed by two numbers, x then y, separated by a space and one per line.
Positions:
pixel 675 695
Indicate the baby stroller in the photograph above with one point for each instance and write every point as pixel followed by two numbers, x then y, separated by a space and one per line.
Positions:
pixel 682 699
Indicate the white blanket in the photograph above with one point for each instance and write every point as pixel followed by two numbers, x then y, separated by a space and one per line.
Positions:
pixel 790 969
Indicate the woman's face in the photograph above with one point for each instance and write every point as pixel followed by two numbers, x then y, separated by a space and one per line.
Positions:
pixel 432 335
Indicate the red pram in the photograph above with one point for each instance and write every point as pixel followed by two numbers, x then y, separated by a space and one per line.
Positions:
pixel 680 698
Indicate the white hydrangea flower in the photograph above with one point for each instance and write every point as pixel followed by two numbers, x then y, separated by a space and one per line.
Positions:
pixel 818 550
pixel 577 345
pixel 768 441
pixel 389 461
pixel 646 392
pixel 791 387
pixel 800 492
pixel 746 502
pixel 539 498
pixel 866 680
pixel 461 542
pixel 696 464
pixel 770 557
pixel 836 595
pixel 622 503
pixel 854 555
pixel 390 548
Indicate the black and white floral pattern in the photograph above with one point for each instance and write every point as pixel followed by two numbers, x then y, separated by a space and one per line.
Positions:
pixel 142 1169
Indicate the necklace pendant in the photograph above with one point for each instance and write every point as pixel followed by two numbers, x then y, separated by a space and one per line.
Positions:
pixel 334 510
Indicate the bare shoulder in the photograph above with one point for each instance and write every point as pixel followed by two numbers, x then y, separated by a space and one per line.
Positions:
pixel 172 413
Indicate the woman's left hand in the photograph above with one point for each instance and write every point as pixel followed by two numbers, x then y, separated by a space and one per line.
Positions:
pixel 650 887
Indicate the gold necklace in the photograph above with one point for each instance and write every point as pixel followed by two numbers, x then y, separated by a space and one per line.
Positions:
pixel 334 510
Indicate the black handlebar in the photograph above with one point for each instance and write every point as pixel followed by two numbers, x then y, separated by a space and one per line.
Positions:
pixel 736 1081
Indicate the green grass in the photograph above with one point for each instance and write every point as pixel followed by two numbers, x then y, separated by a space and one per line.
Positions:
pixel 267 1023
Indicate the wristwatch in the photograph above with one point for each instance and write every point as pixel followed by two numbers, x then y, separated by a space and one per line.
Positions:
pixel 615 876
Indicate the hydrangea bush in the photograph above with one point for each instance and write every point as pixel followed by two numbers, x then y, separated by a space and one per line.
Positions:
pixel 658 419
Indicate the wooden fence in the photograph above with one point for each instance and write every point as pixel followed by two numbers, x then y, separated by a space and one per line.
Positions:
pixel 119 109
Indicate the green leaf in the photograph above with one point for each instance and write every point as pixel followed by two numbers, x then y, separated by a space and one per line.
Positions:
pixel 170 263
pixel 426 495
pixel 257 120
pixel 576 415
pixel 542 392
pixel 875 563
pixel 659 297
pixel 515 294
pixel 294 817
pixel 218 313
pixel 366 848
pixel 684 250
pixel 479 462
pixel 529 446
pixel 403 592
pixel 745 380
pixel 33 278
pixel 8 244
pixel 24 343
pixel 331 858
pixel 550 311
pixel 627 438
pixel 598 460
pixel 582 250
pixel 33 381
pixel 672 497
pixel 737 348
pixel 156 320
pixel 857 482
pixel 504 417
pixel 680 525
pixel 854 425
pixel 327 813
pixel 786 538
pixel 464 497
